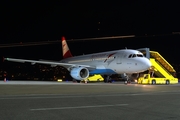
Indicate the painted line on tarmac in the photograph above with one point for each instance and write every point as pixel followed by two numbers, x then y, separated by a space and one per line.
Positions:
pixel 78 107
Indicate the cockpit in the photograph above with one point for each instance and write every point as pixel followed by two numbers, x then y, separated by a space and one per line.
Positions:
pixel 135 55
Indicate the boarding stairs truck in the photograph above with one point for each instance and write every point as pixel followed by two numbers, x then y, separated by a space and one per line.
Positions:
pixel 161 71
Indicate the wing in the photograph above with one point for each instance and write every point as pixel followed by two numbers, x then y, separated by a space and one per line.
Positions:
pixel 52 63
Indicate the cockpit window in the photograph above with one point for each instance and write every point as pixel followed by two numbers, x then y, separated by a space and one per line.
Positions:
pixel 139 55
pixel 134 55
pixel 130 56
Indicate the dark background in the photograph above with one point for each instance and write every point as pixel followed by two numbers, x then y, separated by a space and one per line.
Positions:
pixel 154 23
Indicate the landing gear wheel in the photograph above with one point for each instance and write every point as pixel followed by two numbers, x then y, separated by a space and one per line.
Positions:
pixel 125 82
pixel 107 79
pixel 129 82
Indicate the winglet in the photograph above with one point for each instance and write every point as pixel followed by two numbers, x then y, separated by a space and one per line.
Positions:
pixel 65 49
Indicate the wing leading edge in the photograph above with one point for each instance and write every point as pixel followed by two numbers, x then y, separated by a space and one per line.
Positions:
pixel 52 63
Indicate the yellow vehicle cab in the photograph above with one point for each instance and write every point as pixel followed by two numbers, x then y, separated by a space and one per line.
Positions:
pixel 95 78
pixel 147 79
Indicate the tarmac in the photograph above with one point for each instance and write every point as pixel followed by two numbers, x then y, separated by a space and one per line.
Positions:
pixel 44 100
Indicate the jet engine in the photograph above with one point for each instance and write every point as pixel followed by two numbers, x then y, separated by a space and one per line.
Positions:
pixel 79 73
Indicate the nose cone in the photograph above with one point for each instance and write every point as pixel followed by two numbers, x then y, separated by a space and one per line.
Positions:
pixel 146 64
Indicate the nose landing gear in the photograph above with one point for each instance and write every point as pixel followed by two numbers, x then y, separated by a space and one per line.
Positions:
pixel 127 80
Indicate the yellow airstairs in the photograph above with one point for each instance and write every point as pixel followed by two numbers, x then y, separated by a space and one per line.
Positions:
pixel 161 71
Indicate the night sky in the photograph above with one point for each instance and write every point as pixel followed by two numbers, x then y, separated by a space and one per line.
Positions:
pixel 151 21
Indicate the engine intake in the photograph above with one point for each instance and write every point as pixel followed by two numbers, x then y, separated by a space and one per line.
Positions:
pixel 79 73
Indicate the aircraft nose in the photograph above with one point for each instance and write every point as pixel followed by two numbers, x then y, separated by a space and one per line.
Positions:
pixel 146 63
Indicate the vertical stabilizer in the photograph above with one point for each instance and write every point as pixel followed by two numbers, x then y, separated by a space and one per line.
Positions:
pixel 65 49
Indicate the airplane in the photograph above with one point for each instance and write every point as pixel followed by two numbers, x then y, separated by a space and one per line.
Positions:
pixel 124 61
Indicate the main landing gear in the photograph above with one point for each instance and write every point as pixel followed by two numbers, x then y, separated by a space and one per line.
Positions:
pixel 107 79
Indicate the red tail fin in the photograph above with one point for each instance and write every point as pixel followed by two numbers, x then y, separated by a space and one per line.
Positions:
pixel 65 49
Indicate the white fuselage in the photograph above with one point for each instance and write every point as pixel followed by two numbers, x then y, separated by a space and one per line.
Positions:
pixel 113 62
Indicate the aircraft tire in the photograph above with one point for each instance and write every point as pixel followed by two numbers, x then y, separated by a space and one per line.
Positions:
pixel 125 82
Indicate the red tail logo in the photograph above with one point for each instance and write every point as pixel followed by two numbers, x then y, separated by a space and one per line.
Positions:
pixel 65 49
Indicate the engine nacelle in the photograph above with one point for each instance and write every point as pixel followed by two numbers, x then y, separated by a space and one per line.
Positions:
pixel 79 73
